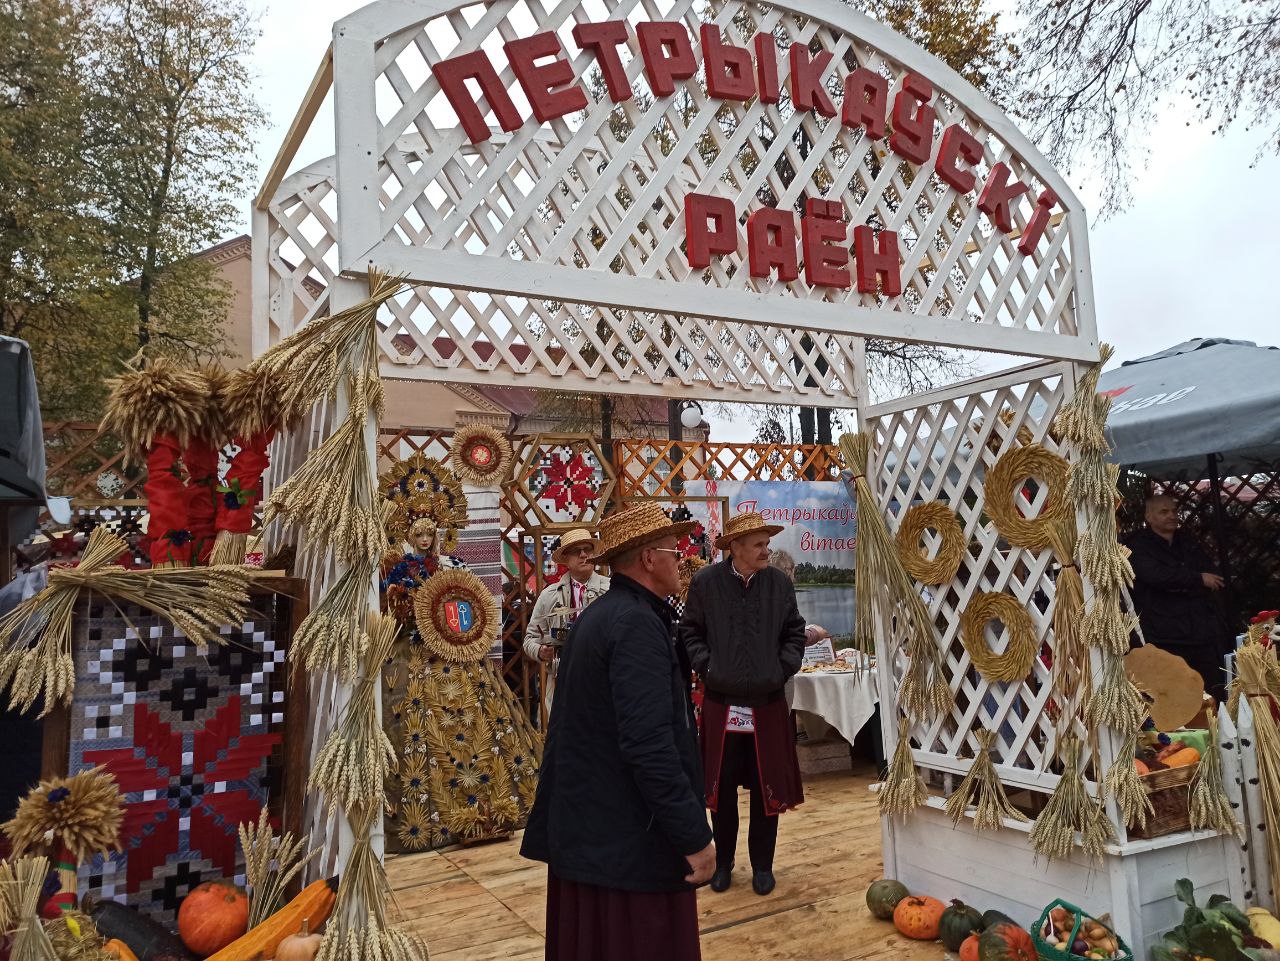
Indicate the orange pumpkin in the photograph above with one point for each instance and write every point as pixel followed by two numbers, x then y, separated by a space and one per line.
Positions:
pixel 918 917
pixel 969 949
pixel 212 916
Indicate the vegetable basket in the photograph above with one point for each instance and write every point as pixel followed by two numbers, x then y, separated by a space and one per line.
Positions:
pixel 1062 952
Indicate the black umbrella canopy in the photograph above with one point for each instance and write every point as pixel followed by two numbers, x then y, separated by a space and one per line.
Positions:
pixel 1171 410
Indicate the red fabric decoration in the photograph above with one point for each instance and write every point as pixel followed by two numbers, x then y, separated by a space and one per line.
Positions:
pixel 167 501
pixel 242 490
pixel 201 461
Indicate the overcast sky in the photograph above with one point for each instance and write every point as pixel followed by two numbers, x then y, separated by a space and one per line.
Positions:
pixel 1192 256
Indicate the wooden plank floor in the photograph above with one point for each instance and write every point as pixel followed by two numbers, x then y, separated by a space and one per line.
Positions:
pixel 487 903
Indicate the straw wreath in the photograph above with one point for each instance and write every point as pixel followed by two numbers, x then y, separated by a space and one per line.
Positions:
pixel 981 787
pixel 162 398
pixel 1124 784
pixel 1209 807
pixel 884 589
pixel 468 442
pixel 941 518
pixel 1014 662
pixel 21 884
pixel 903 790
pixel 271 862
pixel 439 639
pixel 355 762
pixel 1005 480
pixel 333 497
pixel 81 813
pixel 1071 809
pixel 37 633
pixel 332 636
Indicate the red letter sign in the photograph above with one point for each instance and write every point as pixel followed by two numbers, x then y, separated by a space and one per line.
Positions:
pixel 604 39
pixel 767 68
pixel 807 91
pixel 710 227
pixel 547 86
pixel 824 265
pixel 958 144
pixel 729 75
pixel 771 242
pixel 884 264
pixel 866 102
pixel 997 194
pixel 1038 222
pixel 453 74
pixel 668 55
pixel 912 135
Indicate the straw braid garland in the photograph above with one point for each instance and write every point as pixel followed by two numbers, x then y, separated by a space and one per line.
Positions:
pixel 941 518
pixel 886 590
pixel 1005 480
pixel 981 786
pixel 37 633
pixel 1071 809
pixel 1209 807
pixel 1014 662
pixel 903 790
pixel 1072 674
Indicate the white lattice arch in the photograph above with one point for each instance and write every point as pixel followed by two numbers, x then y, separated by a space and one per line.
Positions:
pixel 552 255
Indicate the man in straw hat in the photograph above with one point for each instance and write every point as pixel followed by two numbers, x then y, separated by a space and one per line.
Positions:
pixel 619 816
pixel 746 638
pixel 559 604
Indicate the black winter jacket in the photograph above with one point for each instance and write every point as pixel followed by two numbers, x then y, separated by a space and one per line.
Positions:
pixel 620 795
pixel 745 643
pixel 1173 604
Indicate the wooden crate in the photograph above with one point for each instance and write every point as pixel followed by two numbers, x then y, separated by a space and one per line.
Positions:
pixel 1170 794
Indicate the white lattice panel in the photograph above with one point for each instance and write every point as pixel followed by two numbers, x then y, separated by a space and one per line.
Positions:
pixel 941 451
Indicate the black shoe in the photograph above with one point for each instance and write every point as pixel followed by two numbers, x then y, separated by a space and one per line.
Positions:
pixel 762 882
pixel 721 880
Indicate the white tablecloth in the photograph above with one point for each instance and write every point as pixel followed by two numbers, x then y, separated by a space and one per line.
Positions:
pixel 845 701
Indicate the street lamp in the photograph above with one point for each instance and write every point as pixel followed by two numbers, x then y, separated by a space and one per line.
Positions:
pixel 690 414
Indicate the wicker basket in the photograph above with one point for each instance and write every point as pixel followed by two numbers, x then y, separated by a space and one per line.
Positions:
pixel 1170 794
pixel 1051 952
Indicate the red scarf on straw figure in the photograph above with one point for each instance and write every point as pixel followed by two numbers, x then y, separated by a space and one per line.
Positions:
pixel 167 501
pixel 241 492
pixel 201 460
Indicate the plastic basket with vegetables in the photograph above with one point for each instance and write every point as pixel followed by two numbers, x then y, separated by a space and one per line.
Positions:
pixel 1065 933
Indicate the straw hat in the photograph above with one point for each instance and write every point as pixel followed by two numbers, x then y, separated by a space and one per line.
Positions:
pixel 574 538
pixel 635 526
pixel 741 525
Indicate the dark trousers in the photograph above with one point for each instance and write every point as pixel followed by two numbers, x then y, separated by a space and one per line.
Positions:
pixel 739 769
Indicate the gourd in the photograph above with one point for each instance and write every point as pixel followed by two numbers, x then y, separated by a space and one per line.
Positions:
pixel 958 921
pixel 969 949
pixel 119 949
pixel 147 939
pixel 1005 942
pixel 303 946
pixel 993 917
pixel 883 896
pixel 1188 755
pixel 212 916
pixel 311 906
pixel 1264 925
pixel 918 917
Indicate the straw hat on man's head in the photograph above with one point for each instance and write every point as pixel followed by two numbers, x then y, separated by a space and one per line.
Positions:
pixel 637 526
pixel 573 539
pixel 740 525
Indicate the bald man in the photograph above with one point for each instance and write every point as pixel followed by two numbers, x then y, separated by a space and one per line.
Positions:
pixel 1174 584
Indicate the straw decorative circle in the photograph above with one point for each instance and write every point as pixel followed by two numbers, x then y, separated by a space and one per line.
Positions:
pixel 937 516
pixel 480 455
pixel 1012 664
pixel 635 526
pixel 571 539
pixel 740 525
pixel 458 619
pixel 1005 480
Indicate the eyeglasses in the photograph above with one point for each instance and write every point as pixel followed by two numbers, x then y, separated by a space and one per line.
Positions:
pixel 666 550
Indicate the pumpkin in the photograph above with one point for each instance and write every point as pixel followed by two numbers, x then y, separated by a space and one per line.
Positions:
pixel 303 946
pixel 118 949
pixel 883 896
pixel 958 921
pixel 969 949
pixel 1005 942
pixel 918 917
pixel 310 907
pixel 994 917
pixel 212 916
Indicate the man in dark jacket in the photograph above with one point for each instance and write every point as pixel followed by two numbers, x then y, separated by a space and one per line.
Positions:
pixel 1173 587
pixel 745 638
pixel 619 816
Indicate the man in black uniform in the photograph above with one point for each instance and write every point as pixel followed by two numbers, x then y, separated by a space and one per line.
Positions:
pixel 1174 583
